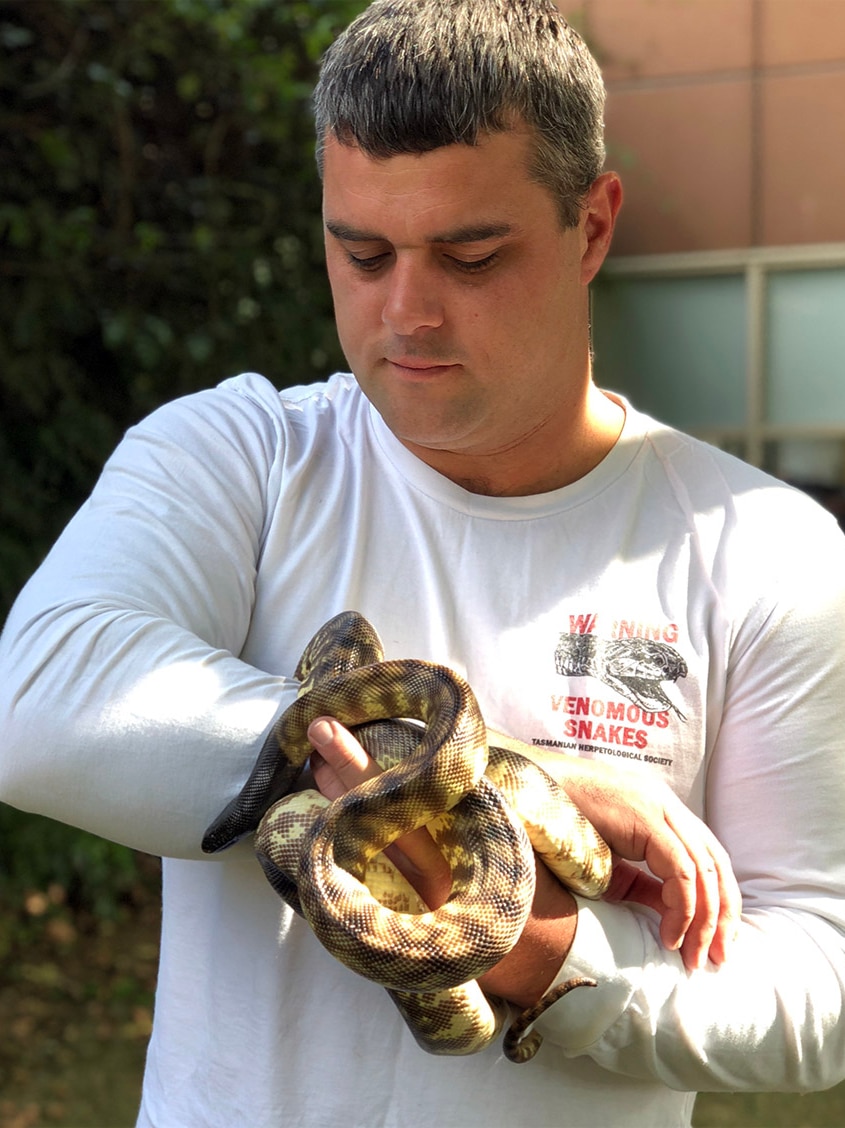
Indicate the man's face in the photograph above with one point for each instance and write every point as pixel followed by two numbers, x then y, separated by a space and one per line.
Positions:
pixel 461 303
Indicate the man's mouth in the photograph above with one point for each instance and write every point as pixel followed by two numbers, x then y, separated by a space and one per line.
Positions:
pixel 419 365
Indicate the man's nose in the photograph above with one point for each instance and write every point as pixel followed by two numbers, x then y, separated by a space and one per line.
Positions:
pixel 413 300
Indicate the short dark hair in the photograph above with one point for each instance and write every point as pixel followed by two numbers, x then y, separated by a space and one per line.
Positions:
pixel 409 76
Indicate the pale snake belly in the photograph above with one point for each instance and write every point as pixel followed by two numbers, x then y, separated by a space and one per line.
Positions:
pixel 487 807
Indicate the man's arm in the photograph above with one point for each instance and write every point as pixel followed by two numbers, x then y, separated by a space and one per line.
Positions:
pixel 770 1017
pixel 123 707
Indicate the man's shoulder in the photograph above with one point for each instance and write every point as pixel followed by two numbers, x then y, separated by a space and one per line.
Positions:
pixel 695 463
pixel 745 503
pixel 251 402
pixel 337 392
pixel 246 418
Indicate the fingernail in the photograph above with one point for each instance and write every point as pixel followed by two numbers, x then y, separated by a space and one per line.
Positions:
pixel 320 733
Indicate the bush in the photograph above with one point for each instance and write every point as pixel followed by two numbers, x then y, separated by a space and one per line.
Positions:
pixel 42 860
pixel 159 213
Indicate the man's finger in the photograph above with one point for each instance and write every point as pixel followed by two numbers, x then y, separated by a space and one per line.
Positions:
pixel 340 762
pixel 705 909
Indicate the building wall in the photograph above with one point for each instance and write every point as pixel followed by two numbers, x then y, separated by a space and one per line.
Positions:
pixel 725 118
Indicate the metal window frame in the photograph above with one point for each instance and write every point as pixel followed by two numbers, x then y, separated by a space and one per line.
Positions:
pixel 756 264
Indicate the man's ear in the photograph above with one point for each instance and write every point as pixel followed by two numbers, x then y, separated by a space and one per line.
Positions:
pixel 601 208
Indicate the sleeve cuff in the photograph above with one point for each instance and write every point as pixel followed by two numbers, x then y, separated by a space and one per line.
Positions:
pixel 609 948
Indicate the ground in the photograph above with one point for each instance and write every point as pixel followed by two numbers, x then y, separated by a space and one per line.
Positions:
pixel 76 994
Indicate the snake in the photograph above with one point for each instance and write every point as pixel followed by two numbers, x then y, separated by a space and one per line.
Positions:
pixel 488 807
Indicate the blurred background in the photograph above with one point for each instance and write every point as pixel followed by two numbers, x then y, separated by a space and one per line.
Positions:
pixel 160 231
pixel 721 309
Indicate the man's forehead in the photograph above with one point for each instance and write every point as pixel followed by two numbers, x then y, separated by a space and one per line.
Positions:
pixel 513 147
pixel 460 193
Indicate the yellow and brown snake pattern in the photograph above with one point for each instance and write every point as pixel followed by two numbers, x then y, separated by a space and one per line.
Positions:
pixel 487 807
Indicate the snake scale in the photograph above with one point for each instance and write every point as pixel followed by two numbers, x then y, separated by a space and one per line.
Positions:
pixel 487 807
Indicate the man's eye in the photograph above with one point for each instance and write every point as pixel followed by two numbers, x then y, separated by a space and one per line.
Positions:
pixel 473 266
pixel 366 262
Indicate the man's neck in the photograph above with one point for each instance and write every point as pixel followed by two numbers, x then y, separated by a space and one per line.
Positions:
pixel 546 462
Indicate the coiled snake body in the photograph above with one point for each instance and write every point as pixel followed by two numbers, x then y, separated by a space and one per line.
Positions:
pixel 325 858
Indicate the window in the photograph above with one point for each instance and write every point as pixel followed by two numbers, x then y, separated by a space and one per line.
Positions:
pixel 745 349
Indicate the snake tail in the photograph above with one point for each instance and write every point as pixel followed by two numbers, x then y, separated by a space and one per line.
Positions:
pixel 520 1043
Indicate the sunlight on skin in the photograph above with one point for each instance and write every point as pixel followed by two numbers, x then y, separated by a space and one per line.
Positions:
pixel 465 316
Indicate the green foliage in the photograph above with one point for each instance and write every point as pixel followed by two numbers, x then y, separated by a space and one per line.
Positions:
pixel 160 231
pixel 159 216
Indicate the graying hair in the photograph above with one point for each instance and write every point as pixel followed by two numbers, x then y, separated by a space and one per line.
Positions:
pixel 409 76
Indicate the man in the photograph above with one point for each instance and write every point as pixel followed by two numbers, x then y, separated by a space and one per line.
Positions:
pixel 615 593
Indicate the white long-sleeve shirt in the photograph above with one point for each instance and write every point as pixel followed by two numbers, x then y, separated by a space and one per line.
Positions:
pixel 675 612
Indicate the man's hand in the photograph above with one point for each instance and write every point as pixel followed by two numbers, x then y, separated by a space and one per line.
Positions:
pixel 690 883
pixel 339 763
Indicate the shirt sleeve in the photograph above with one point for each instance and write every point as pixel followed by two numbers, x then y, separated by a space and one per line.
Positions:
pixel 124 709
pixel 771 1017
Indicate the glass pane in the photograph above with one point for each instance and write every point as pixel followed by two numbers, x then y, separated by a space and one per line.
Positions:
pixel 674 346
pixel 808 462
pixel 816 466
pixel 806 347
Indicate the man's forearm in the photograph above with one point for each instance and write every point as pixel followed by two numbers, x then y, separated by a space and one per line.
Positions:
pixel 530 967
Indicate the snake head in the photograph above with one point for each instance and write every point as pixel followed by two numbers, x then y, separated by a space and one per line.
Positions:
pixel 344 642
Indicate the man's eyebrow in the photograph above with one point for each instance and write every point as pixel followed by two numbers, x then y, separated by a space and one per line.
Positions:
pixel 472 233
